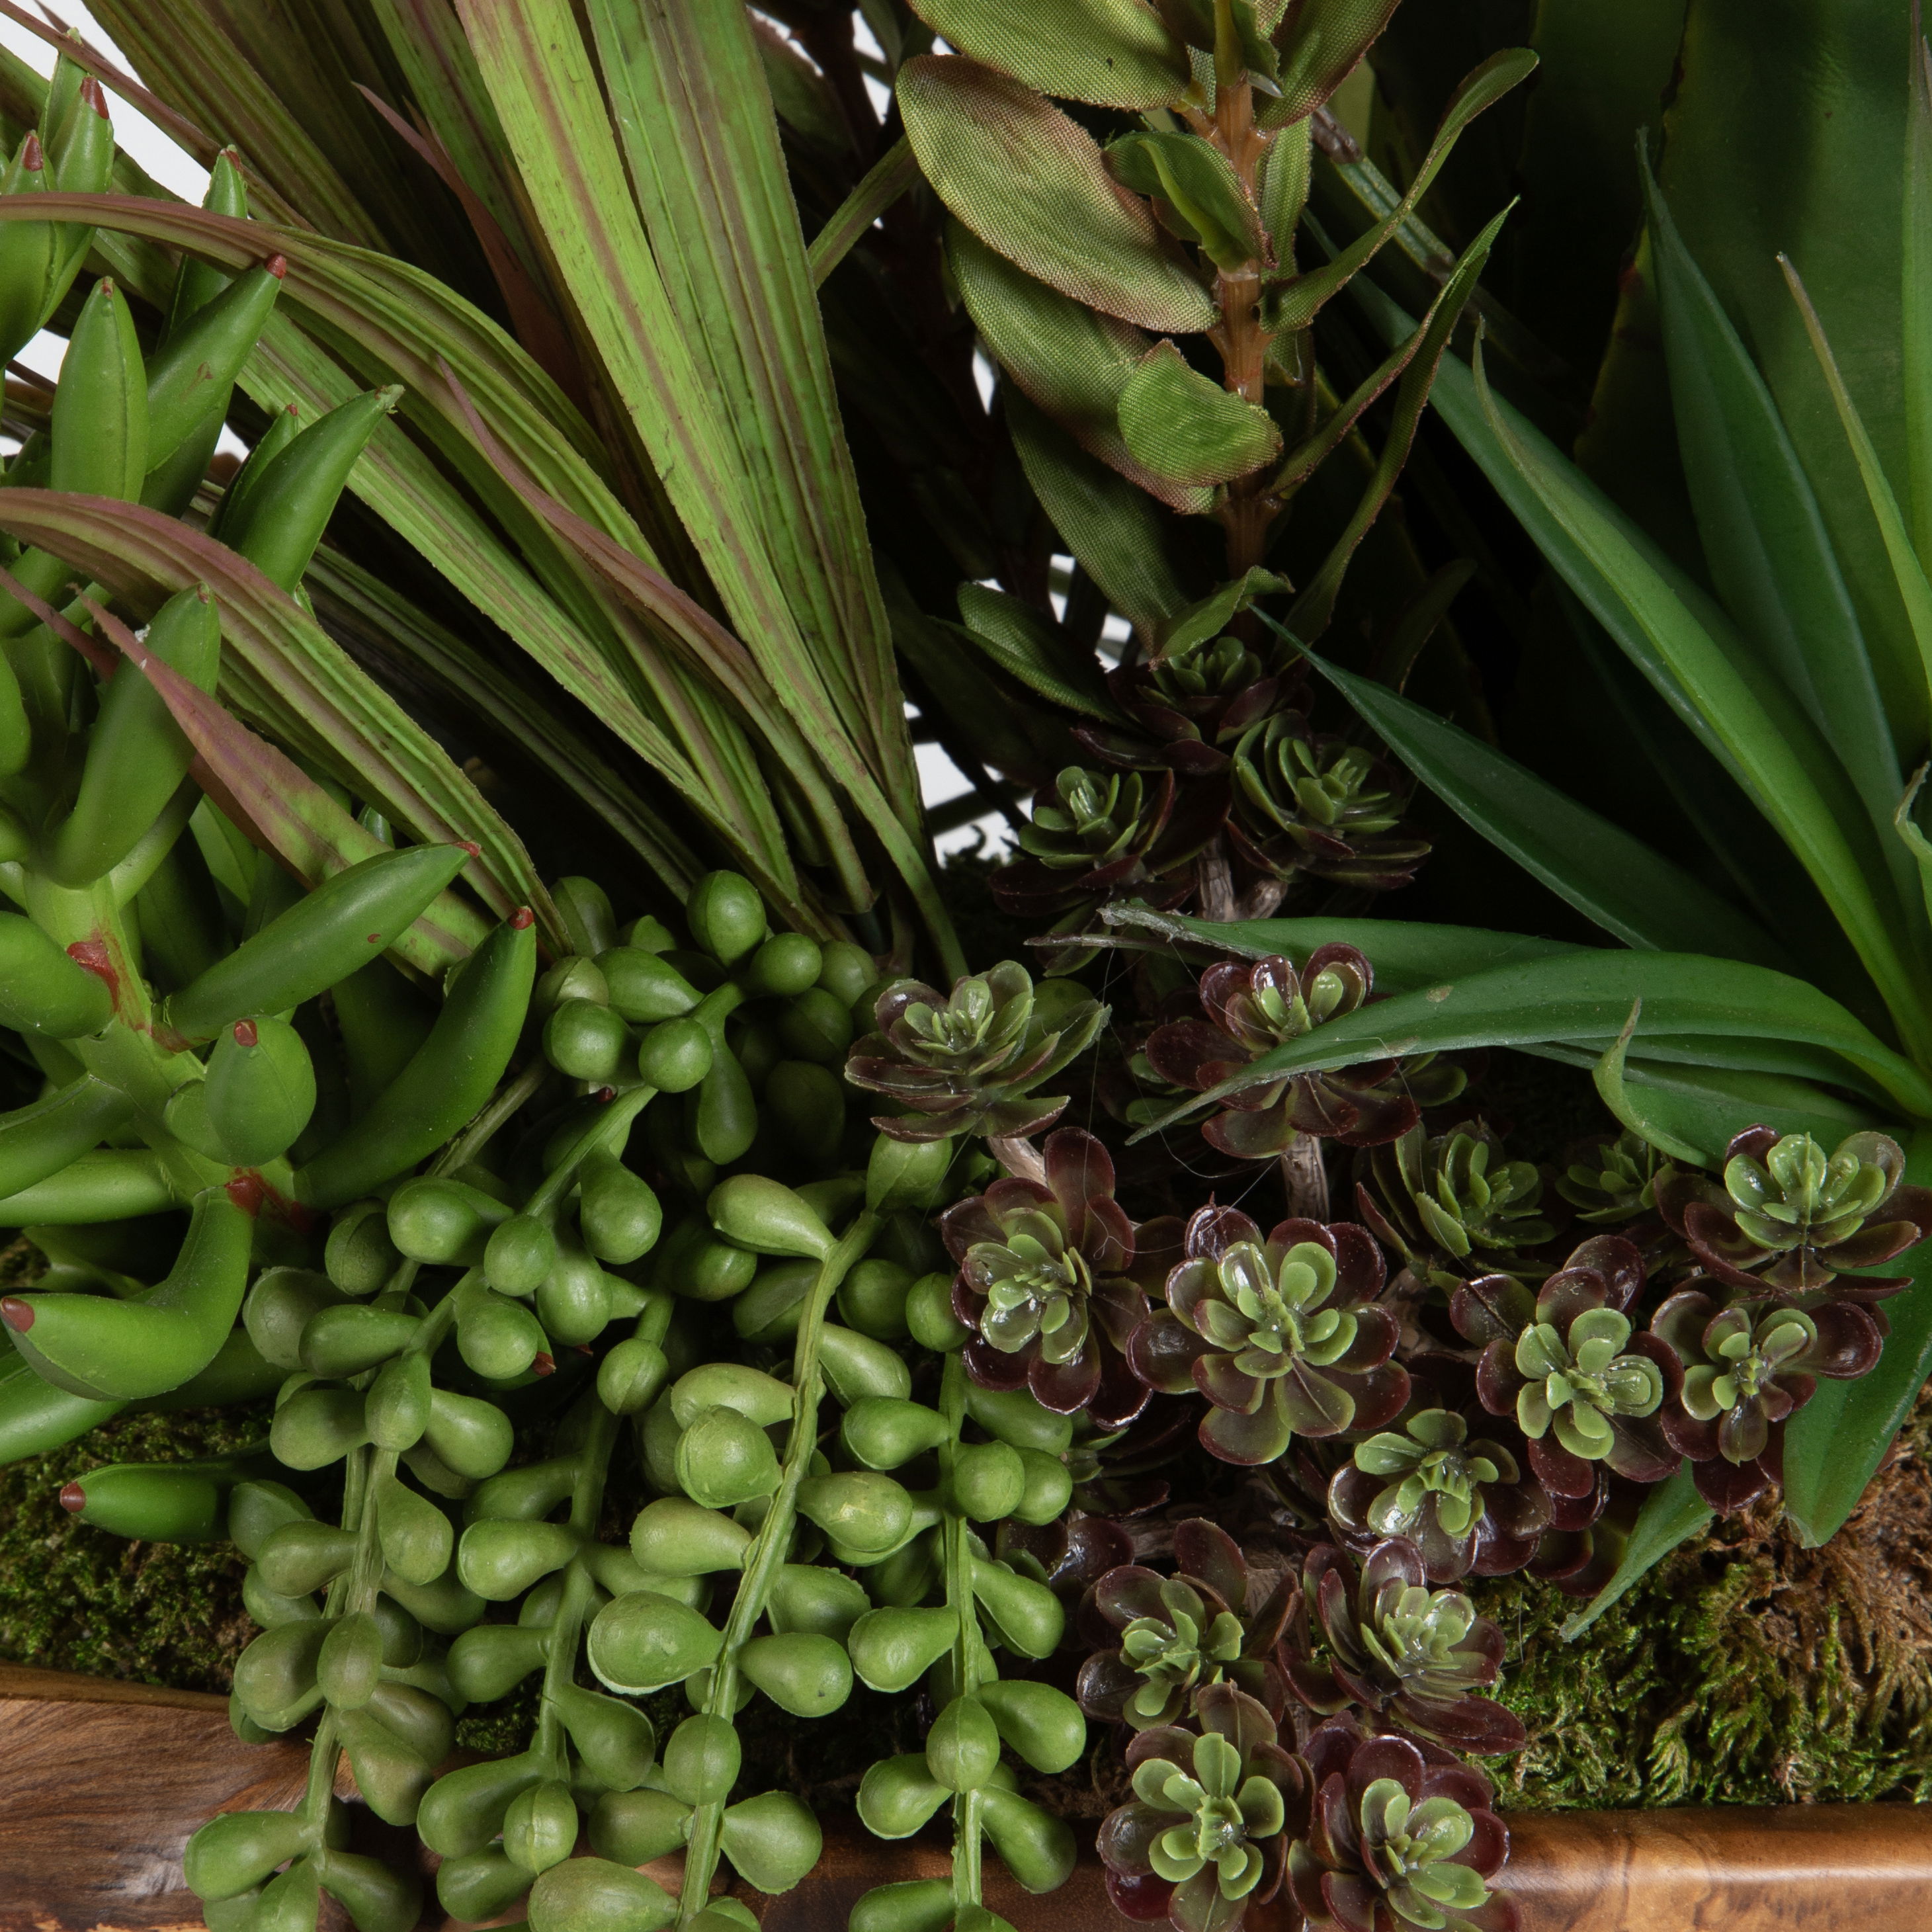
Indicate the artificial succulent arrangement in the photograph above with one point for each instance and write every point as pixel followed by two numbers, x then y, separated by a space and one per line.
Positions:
pixel 682 1317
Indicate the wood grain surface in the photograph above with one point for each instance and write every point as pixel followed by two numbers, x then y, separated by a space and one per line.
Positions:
pixel 101 1785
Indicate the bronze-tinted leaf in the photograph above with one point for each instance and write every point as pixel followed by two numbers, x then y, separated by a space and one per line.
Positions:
pixel 1114 53
pixel 1030 182
pixel 1184 426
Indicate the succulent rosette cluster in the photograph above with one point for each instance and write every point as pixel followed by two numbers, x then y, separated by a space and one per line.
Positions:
pixel 1308 803
pixel 1047 1283
pixel 1254 1006
pixel 1454 1204
pixel 1789 1219
pixel 1214 1621
pixel 1283 1336
pixel 1611 1178
pixel 1400 1835
pixel 1378 1638
pixel 1747 1369
pixel 967 1062
pixel 1587 1388
pixel 1188 707
pixel 1458 1492
pixel 1206 1833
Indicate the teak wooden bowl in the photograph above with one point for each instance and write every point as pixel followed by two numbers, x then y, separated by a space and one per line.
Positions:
pixel 101 1784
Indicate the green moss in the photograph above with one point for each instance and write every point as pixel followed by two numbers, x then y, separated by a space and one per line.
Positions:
pixel 72 1597
pixel 1745 1669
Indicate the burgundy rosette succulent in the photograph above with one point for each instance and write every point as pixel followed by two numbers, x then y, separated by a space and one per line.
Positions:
pixel 1213 1621
pixel 1789 1219
pixel 1284 1338
pixel 1585 1386
pixel 1190 707
pixel 1046 1284
pixel 1254 1006
pixel 1380 1638
pixel 1460 1493
pixel 1400 1836
pixel 1206 1833
pixel 1747 1369
pixel 967 1062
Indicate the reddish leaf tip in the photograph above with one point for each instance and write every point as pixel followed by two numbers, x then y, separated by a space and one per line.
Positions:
pixel 31 156
pixel 277 265
pixel 73 1498
pixel 476 851
pixel 18 1315
pixel 248 1191
pixel 545 1362
pixel 246 1034
pixel 522 919
pixel 95 95
pixel 607 1094
pixel 375 939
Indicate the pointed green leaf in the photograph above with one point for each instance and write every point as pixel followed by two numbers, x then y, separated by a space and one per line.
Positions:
pixel 1715 1012
pixel 1607 874
pixel 1322 48
pixel 1671 1513
pixel 1109 525
pixel 1611 1090
pixel 1770 559
pixel 882 184
pixel 1073 361
pixel 1111 53
pixel 1185 427
pixel 1796 779
pixel 1916 320
pixel 1021 642
pixel 1212 614
pixel 1030 182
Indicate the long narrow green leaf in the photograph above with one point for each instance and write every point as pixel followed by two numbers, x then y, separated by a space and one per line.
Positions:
pixel 1671 1513
pixel 724 232
pixel 1833 1446
pixel 883 183
pixel 1722 1010
pixel 1914 588
pixel 1608 874
pixel 534 62
pixel 1406 954
pixel 1770 558
pixel 1778 752
pixel 1915 317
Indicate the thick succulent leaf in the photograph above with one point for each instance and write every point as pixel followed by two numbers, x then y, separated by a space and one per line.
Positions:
pixel 1074 362
pixel 1671 1513
pixel 1296 305
pixel 1610 876
pixel 1030 182
pixel 1794 776
pixel 263 790
pixel 1770 559
pixel 1110 53
pixel 1834 1445
pixel 1717 1012
pixel 1187 428
pixel 284 668
pixel 1109 525
pixel 724 231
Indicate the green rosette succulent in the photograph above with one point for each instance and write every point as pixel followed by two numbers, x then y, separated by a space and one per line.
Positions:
pixel 967 1062
pixel 1206 1834
pixel 1613 1179
pixel 1464 1500
pixel 1214 1621
pixel 1400 1835
pixel 1454 1204
pixel 1284 1338
pixel 1790 1218
pixel 1311 803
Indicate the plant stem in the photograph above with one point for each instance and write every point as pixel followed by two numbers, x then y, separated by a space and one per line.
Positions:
pixel 958 1562
pixel 768 1550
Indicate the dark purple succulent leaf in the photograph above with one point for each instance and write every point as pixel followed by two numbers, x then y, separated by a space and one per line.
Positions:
pixel 1493 1308
pixel 1204 1550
